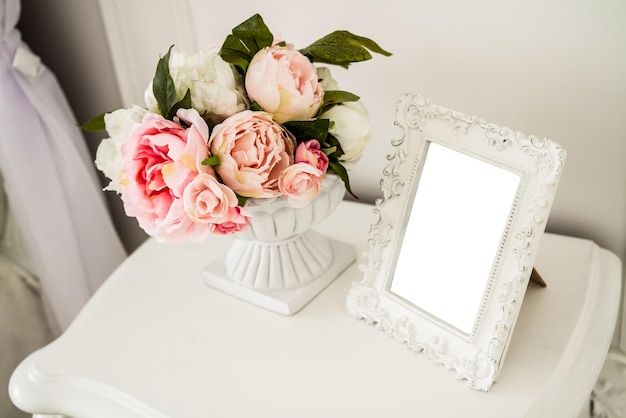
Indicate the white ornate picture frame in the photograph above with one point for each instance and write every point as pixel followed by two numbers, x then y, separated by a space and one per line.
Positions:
pixel 477 353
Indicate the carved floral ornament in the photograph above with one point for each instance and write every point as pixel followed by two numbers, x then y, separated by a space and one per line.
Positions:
pixel 476 357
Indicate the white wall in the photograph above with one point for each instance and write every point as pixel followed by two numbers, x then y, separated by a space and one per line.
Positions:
pixel 550 68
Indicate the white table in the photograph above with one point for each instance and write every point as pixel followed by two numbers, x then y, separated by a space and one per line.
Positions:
pixel 156 342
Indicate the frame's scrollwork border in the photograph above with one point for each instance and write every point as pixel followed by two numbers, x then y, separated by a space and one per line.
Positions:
pixel 539 162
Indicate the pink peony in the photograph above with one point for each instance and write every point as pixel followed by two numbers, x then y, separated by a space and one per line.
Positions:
pixel 284 83
pixel 160 158
pixel 253 150
pixel 210 202
pixel 309 152
pixel 300 183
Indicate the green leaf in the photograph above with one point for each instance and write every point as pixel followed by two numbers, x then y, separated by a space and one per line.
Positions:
pixel 341 171
pixel 163 85
pixel 329 150
pixel 184 103
pixel 240 60
pixel 241 200
pixel 339 96
pixel 94 124
pixel 304 130
pixel 213 161
pixel 255 31
pixel 332 143
pixel 247 38
pixel 342 48
pixel 335 97
pixel 255 106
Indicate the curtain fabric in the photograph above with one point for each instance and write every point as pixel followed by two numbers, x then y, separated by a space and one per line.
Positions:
pixel 50 180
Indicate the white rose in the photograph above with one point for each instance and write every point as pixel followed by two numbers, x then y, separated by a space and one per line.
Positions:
pixel 351 128
pixel 326 79
pixel 109 155
pixel 216 89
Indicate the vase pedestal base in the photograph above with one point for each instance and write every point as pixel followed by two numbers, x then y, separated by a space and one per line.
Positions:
pixel 282 301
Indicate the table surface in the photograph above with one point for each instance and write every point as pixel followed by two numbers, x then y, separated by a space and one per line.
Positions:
pixel 155 341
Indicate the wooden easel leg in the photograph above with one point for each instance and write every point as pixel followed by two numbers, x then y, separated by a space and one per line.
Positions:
pixel 536 278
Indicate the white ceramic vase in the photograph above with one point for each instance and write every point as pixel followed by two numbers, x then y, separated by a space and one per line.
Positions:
pixel 281 262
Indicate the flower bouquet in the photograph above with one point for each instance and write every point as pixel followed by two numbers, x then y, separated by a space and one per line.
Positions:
pixel 252 123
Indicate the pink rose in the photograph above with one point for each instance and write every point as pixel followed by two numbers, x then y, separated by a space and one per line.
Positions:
pixel 210 202
pixel 300 183
pixel 253 150
pixel 237 221
pixel 284 83
pixel 160 158
pixel 309 152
